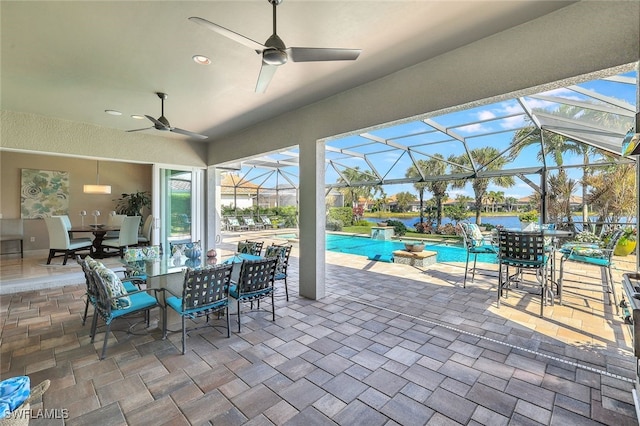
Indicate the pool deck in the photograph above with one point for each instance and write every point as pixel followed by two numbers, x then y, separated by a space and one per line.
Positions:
pixel 389 344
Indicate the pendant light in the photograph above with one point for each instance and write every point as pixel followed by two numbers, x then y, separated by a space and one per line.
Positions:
pixel 97 188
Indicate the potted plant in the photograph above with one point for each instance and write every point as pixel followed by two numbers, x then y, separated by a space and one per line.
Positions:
pixel 627 242
pixel 132 204
pixel 527 218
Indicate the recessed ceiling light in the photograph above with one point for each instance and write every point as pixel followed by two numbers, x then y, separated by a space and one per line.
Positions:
pixel 138 117
pixel 112 112
pixel 201 60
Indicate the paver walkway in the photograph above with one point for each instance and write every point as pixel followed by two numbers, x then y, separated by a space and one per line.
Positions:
pixel 390 344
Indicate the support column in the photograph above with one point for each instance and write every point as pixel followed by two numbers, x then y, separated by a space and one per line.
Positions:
pixel 213 213
pixel 312 220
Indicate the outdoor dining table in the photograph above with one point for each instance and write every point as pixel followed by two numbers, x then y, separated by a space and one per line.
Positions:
pixel 166 272
pixel 98 232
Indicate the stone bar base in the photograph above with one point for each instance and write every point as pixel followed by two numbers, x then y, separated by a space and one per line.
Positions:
pixel 420 259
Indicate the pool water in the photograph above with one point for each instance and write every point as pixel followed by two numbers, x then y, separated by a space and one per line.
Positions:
pixel 365 246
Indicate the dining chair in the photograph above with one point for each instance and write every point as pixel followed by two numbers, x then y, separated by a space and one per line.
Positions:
pixel 114 220
pixel 128 235
pixel 280 252
pixel 144 238
pixel 250 247
pixel 114 301
pixel 204 292
pixel 59 240
pixel 522 250
pixel 590 254
pixel 475 243
pixel 255 283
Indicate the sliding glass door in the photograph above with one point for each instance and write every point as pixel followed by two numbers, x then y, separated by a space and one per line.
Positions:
pixel 180 205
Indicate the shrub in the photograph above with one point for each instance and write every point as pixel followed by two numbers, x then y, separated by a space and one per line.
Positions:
pixel 399 228
pixel 447 229
pixel 343 214
pixel 333 225
pixel 362 222
pixel 530 216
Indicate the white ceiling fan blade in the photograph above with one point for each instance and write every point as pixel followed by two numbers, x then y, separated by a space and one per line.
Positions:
pixel 138 130
pixel 258 47
pixel 188 133
pixel 266 74
pixel 310 54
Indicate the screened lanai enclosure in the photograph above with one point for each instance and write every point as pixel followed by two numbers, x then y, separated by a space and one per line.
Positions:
pixel 556 144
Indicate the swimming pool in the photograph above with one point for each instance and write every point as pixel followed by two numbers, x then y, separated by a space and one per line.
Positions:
pixel 365 246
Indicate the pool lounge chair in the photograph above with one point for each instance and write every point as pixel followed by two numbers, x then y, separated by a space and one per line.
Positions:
pixel 249 222
pixel 234 225
pixel 266 222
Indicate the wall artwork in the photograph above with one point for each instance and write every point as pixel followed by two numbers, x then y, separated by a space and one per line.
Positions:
pixel 43 193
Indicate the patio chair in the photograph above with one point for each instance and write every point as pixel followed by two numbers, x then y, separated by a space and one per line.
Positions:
pixel 590 254
pixel 204 292
pixel 114 301
pixel 475 244
pixel 250 247
pixel 255 283
pixel 280 252
pixel 524 251
pixel 88 264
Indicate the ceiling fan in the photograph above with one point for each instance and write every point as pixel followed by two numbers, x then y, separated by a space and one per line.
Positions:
pixel 275 52
pixel 162 123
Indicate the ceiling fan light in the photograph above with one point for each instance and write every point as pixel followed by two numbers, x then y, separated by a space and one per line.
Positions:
pixel 112 112
pixel 274 57
pixel 201 60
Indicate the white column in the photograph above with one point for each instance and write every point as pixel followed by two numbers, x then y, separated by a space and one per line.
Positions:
pixel 214 210
pixel 312 221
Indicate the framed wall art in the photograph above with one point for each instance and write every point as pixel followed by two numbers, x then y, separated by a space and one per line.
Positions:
pixel 43 193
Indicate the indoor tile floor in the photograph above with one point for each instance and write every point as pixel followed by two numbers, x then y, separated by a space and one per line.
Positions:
pixel 389 344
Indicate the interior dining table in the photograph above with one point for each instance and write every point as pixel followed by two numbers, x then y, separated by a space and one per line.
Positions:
pixel 98 231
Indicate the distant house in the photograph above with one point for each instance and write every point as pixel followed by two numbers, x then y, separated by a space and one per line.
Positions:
pixel 234 192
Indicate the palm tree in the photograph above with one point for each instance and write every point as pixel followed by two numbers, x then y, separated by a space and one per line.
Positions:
pixel 412 172
pixel 354 177
pixel 434 166
pixel 486 158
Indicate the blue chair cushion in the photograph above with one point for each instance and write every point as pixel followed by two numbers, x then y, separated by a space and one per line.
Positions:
pixel 130 287
pixel 139 301
pixel 525 263
pixel 599 261
pixel 233 292
pixel 176 303
pixel 483 249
